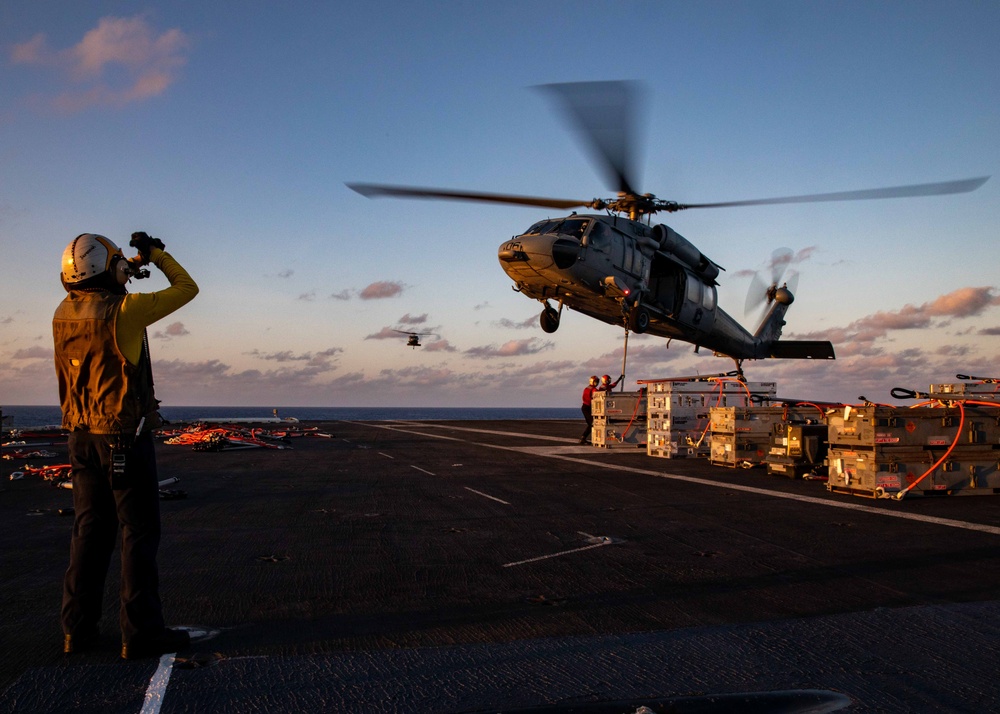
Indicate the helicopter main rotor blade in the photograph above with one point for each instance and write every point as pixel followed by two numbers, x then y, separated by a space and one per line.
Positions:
pixel 371 190
pixel 920 189
pixel 604 114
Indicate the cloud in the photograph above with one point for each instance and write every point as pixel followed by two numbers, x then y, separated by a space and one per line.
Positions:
pixel 342 295
pixel 381 289
pixel 513 348
pixel 33 353
pixel 174 329
pixel 409 319
pixel 121 61
pixel 961 303
pixel 989 331
pixel 307 297
pixel 440 346
pixel 522 325
pixel 385 333
pixel 320 359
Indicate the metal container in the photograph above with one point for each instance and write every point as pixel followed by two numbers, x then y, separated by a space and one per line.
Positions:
pixel 797 450
pixel 967 390
pixel 678 412
pixel 618 434
pixel 968 471
pixel 619 405
pixel 868 427
pixel 744 450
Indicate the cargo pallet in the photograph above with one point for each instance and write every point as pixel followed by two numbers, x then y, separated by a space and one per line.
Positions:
pixel 678 412
pixel 619 420
pixel 742 436
pixel 880 451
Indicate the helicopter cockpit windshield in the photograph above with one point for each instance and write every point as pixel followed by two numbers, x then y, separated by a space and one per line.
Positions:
pixel 569 227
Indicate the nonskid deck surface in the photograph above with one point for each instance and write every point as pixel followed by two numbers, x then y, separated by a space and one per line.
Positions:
pixel 497 566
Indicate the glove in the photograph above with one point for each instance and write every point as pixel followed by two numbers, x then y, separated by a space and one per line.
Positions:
pixel 143 243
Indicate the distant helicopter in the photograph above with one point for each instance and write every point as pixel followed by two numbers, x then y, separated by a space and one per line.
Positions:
pixel 413 338
pixel 620 268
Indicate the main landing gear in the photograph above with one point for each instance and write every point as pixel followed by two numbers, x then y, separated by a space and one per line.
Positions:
pixel 549 318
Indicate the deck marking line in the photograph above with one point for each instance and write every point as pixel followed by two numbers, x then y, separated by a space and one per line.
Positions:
pixel 386 455
pixel 947 522
pixel 486 495
pixel 158 685
pixel 422 470
pixel 606 541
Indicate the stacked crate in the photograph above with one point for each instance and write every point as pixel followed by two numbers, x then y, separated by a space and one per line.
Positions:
pixel 744 436
pixel 619 420
pixel 799 448
pixel 966 390
pixel 678 412
pixel 879 451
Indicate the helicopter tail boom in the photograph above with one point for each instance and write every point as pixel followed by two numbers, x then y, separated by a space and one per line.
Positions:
pixel 802 349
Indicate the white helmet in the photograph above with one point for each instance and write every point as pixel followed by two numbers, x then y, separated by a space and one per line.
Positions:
pixel 87 256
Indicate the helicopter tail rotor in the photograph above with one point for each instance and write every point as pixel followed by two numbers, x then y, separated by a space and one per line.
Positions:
pixel 761 292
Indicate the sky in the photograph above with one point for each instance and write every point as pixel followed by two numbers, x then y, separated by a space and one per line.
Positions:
pixel 229 130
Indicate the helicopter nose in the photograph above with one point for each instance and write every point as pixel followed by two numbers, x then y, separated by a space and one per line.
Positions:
pixel 536 250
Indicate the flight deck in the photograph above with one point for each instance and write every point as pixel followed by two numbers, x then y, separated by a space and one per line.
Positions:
pixel 501 566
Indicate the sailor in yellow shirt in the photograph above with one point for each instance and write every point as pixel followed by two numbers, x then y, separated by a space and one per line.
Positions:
pixel 109 409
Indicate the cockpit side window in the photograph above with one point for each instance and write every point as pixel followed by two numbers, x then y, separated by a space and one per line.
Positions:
pixel 542 227
pixel 600 237
pixel 574 227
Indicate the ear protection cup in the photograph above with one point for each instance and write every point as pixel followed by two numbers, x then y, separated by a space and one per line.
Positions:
pixel 121 269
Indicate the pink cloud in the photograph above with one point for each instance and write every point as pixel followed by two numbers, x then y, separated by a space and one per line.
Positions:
pixel 128 46
pixel 513 348
pixel 440 346
pixel 382 289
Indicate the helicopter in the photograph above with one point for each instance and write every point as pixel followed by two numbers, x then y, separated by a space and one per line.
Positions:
pixel 623 269
pixel 413 338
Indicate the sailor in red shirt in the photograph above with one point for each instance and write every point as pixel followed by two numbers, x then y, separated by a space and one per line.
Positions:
pixel 607 385
pixel 588 416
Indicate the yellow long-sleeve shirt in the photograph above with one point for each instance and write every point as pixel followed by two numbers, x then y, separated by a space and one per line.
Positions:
pixel 139 310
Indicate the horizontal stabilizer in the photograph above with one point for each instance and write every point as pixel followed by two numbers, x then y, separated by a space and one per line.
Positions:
pixel 802 349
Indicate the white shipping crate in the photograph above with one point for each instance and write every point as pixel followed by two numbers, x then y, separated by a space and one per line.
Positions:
pixel 619 405
pixel 677 443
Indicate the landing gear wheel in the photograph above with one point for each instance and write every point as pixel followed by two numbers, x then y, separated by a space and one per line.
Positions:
pixel 638 319
pixel 549 319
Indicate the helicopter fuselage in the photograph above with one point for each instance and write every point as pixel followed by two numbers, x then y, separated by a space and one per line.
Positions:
pixel 627 273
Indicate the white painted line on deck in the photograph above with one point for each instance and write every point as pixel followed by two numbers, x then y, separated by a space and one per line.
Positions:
pixel 386 455
pixel 486 495
pixel 604 541
pixel 422 470
pixel 158 685
pixel 857 507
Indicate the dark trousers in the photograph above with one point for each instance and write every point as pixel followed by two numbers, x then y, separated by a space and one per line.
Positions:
pixel 588 416
pixel 100 513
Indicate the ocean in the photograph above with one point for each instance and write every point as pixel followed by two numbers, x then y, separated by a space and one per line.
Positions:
pixel 23 417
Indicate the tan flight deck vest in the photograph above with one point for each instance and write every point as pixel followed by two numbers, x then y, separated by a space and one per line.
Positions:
pixel 100 391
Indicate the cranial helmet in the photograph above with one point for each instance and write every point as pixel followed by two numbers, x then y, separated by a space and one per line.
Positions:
pixel 593 378
pixel 88 256
pixel 606 378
